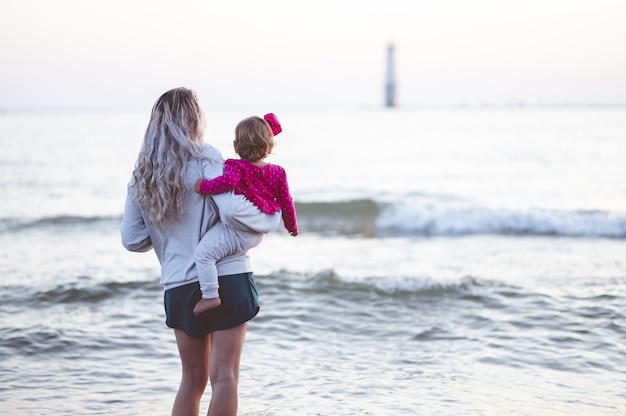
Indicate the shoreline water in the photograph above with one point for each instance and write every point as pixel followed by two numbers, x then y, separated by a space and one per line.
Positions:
pixel 478 271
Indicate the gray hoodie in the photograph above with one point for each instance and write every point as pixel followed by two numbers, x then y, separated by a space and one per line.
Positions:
pixel 175 244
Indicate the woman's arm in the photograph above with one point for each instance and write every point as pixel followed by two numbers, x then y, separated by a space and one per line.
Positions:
pixel 135 236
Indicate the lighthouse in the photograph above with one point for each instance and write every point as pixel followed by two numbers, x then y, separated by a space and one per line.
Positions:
pixel 390 84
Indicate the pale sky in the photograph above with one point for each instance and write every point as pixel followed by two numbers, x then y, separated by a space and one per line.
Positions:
pixel 311 54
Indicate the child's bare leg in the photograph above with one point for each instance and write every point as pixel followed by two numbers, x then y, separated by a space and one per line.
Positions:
pixel 205 304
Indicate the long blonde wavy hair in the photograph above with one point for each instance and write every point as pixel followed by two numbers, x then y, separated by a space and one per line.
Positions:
pixel 173 137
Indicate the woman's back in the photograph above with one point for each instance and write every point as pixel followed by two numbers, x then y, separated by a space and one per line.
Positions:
pixel 175 242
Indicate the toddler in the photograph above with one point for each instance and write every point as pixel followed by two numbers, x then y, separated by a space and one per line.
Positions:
pixel 261 183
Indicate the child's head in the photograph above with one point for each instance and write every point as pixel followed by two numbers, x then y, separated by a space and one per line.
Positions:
pixel 254 139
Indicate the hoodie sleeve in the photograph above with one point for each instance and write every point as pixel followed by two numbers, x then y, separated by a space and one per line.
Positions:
pixel 135 236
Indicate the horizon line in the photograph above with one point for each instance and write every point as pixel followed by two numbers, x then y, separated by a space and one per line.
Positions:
pixel 459 105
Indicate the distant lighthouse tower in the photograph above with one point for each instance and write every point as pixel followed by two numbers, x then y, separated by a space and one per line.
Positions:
pixel 390 84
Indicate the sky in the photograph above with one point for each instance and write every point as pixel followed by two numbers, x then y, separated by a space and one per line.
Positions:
pixel 311 54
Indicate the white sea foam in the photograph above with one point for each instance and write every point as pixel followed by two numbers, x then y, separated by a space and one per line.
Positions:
pixel 450 220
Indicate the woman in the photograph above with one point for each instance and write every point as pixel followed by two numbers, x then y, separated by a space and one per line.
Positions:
pixel 164 213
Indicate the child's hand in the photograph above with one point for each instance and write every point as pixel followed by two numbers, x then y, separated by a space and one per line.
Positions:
pixel 293 233
pixel 197 185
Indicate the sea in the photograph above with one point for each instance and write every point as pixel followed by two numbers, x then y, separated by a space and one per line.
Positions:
pixel 451 261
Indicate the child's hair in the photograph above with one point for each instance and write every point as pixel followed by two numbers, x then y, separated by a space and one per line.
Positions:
pixel 254 139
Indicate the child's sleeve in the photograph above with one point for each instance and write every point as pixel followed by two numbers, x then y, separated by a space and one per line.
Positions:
pixel 286 205
pixel 223 183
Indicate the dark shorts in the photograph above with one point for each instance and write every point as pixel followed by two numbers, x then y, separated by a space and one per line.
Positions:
pixel 240 303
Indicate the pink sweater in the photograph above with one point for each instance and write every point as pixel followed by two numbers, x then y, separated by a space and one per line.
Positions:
pixel 264 186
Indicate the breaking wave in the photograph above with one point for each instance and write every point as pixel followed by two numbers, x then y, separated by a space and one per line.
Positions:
pixel 369 218
pixel 365 217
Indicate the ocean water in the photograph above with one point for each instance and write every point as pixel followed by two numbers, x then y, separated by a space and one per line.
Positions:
pixel 450 262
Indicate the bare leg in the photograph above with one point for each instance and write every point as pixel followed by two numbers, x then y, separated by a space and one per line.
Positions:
pixel 204 305
pixel 195 356
pixel 226 348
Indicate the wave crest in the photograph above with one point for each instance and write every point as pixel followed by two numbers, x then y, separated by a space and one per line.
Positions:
pixel 328 281
pixel 425 217
pixel 82 293
pixel 453 221
pixel 448 218
pixel 61 221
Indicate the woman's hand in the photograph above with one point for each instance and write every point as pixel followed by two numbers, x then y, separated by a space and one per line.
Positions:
pixel 197 185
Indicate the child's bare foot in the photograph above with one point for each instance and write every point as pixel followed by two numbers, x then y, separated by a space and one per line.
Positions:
pixel 205 304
